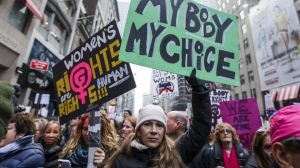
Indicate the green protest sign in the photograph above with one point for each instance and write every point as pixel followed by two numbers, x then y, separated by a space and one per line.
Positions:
pixel 180 35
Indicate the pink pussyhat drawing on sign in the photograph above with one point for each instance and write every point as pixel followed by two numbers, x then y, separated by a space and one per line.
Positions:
pixel 80 79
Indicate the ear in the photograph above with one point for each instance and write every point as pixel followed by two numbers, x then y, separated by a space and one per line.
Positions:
pixel 178 125
pixel 280 155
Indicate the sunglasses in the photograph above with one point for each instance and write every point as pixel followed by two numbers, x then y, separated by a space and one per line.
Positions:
pixel 222 131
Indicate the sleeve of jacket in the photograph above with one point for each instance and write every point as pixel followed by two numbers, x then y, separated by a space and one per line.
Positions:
pixel 35 160
pixel 203 158
pixel 190 143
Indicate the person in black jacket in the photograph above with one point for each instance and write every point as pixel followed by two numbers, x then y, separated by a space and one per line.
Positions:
pixel 18 148
pixel 226 150
pixel 149 146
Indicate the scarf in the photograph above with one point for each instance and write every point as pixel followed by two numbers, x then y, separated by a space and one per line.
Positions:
pixel 14 147
pixel 231 162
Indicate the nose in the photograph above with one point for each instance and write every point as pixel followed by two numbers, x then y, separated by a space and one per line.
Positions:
pixel 154 128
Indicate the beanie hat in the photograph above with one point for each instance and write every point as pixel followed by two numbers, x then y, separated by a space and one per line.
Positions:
pixel 285 123
pixel 6 106
pixel 151 112
pixel 17 88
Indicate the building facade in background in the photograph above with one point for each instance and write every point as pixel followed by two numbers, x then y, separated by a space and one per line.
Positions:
pixel 36 34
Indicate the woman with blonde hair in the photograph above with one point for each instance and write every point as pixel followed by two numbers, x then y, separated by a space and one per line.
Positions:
pixel 226 150
pixel 149 146
pixel 76 149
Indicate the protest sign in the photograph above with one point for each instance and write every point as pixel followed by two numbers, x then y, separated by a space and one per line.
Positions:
pixel 92 74
pixel 164 84
pixel 178 36
pixel 217 96
pixel 244 116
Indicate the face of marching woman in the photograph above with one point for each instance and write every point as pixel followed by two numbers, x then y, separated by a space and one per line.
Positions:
pixel 152 133
pixel 127 129
pixel 51 134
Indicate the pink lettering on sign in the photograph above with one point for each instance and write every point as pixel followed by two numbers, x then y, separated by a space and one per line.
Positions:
pixel 80 79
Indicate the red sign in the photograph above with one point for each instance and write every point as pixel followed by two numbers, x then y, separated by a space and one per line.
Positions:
pixel 39 65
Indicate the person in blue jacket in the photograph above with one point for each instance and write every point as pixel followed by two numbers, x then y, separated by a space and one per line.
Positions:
pixel 18 148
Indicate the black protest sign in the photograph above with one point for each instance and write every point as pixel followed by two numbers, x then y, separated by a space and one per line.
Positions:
pixel 92 74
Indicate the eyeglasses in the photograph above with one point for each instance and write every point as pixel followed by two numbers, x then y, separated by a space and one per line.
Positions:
pixel 225 130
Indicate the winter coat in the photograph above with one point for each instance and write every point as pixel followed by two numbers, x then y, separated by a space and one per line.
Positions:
pixel 140 158
pixel 212 156
pixel 188 145
pixel 252 163
pixel 51 155
pixel 22 153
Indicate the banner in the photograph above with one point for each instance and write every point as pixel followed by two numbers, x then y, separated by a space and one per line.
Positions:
pixel 276 39
pixel 92 74
pixel 164 84
pixel 217 96
pixel 244 116
pixel 178 36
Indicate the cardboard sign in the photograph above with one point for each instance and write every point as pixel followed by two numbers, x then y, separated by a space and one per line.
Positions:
pixel 244 116
pixel 217 96
pixel 178 36
pixel 92 74
pixel 164 84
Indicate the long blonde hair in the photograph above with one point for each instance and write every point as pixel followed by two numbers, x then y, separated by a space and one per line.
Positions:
pixel 167 155
pixel 109 137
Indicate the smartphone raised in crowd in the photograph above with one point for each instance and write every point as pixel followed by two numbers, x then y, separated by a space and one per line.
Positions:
pixel 64 163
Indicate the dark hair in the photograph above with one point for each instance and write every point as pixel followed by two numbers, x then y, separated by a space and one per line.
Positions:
pixel 129 111
pixel 257 148
pixel 24 124
pixel 292 145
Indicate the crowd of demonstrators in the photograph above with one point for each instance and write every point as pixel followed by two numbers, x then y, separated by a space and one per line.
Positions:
pixel 149 146
pixel 76 149
pixel 261 150
pixel 51 143
pixel 176 124
pixel 226 150
pixel 128 127
pixel 285 137
pixel 18 148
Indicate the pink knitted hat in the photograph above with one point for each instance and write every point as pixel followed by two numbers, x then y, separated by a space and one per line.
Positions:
pixel 285 123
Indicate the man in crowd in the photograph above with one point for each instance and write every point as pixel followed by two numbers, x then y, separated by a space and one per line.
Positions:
pixel 176 124
pixel 18 148
pixel 285 137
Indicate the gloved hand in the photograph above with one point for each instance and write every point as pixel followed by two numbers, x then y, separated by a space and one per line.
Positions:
pixel 196 84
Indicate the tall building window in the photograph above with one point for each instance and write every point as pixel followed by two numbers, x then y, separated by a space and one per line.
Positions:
pixel 246 43
pixel 248 59
pixel 242 14
pixel 19 16
pixel 244 28
pixel 236 96
pixel 253 93
pixel 242 79
pixel 251 76
pixel 244 95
